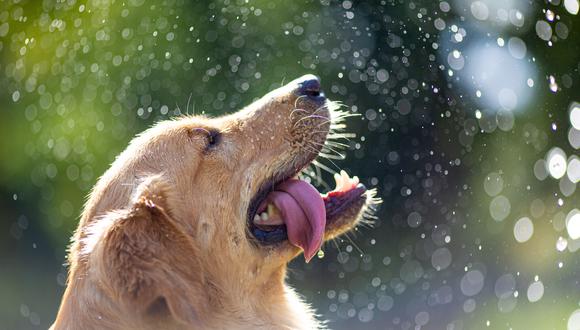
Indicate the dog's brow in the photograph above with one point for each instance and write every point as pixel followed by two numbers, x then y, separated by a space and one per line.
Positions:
pixel 201 129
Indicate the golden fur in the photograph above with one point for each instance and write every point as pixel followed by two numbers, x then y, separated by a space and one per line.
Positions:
pixel 163 242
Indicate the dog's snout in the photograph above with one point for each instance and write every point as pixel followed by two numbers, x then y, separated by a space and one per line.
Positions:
pixel 309 85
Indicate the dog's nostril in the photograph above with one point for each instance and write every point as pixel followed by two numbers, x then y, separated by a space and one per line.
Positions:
pixel 310 86
pixel 312 93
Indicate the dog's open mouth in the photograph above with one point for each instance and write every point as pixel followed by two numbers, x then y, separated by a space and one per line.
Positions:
pixel 288 210
pixel 294 210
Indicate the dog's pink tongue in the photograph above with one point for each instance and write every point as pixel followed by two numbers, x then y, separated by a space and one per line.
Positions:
pixel 304 214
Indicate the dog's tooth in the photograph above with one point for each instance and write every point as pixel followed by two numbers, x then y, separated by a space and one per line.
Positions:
pixel 344 176
pixel 257 218
pixel 272 210
pixel 337 181
pixel 343 179
pixel 264 216
pixel 355 180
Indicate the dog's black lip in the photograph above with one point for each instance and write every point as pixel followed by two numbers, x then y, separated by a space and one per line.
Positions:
pixel 335 204
pixel 344 201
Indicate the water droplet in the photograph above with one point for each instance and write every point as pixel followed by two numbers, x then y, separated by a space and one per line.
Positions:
pixel 572 7
pixel 573 224
pixel 493 184
pixel 543 30
pixel 414 219
pixel 499 208
pixel 523 229
pixel 561 244
pixel 552 83
pixel 550 15
pixel 575 115
pixel 472 283
pixel 16 96
pixel 517 47
pixel 479 10
pixel 556 162
pixel 441 258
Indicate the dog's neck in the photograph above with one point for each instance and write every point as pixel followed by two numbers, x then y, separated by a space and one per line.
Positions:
pixel 260 295
pixel 273 305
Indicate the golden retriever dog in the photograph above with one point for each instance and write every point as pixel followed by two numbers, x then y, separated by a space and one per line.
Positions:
pixel 193 224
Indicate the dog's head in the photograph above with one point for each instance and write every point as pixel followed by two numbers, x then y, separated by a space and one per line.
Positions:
pixel 231 184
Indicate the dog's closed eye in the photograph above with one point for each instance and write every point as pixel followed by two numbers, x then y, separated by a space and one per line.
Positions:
pixel 212 136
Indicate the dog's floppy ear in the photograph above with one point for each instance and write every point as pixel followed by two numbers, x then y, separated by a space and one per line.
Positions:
pixel 146 261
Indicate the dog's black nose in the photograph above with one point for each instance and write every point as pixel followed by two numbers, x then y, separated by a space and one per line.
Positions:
pixel 310 86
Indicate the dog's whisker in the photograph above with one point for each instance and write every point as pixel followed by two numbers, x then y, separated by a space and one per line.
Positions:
pixel 327 147
pixel 336 244
pixel 323 107
pixel 314 172
pixel 324 156
pixel 331 156
pixel 325 144
pixel 324 122
pixel 333 163
pixel 178 109
pixel 311 149
pixel 297 109
pixel 319 132
pixel 324 167
pixel 354 244
pixel 337 126
pixel 298 99
pixel 187 105
pixel 319 177
pixel 342 135
pixel 308 117
pixel 337 144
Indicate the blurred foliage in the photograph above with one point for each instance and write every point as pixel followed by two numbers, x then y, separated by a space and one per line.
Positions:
pixel 80 79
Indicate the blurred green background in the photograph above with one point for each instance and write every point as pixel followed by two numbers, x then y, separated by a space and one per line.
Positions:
pixel 468 127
